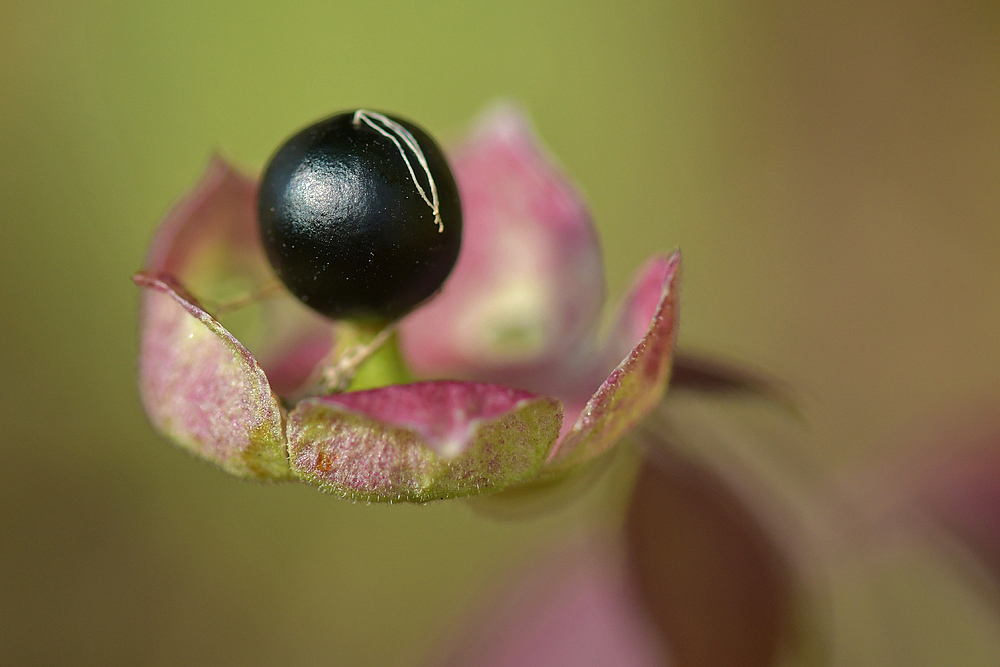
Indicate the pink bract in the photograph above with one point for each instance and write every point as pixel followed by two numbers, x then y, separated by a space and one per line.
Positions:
pixel 514 383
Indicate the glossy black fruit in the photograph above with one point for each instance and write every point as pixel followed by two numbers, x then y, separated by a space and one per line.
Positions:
pixel 360 216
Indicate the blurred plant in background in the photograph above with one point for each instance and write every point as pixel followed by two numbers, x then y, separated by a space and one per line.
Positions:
pixel 730 555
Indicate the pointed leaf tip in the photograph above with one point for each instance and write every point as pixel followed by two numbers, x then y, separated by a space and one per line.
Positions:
pixel 639 381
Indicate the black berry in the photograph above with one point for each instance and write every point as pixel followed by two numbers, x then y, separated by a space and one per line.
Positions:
pixel 360 216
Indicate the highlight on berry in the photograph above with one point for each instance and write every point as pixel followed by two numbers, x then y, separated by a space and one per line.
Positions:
pixel 360 216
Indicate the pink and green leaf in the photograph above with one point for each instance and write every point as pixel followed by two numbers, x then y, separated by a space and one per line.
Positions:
pixel 202 387
pixel 639 381
pixel 423 441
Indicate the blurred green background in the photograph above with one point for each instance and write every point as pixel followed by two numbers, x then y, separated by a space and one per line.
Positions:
pixel 831 174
